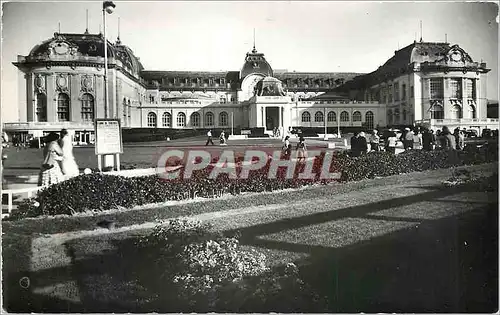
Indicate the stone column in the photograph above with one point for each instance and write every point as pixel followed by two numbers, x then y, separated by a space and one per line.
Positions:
pixel 280 117
pixel 263 117
pixel 51 98
pixel 74 86
pixel 31 97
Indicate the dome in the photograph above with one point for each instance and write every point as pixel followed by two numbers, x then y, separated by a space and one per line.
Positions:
pixel 90 45
pixel 84 48
pixel 129 60
pixel 269 86
pixel 255 63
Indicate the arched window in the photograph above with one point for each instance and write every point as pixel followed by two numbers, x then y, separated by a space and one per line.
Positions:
pixel 306 117
pixel 41 107
pixel 209 119
pixel 404 115
pixel 472 112
pixel 63 107
pixel 223 119
pixel 456 112
pixel 332 116
pixel 152 120
pixel 318 117
pixel 195 119
pixel 166 120
pixel 389 117
pixel 344 116
pixel 87 107
pixel 181 119
pixel 356 116
pixel 437 112
pixel 369 119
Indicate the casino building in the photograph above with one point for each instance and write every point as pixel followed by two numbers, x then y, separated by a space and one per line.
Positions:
pixel 435 83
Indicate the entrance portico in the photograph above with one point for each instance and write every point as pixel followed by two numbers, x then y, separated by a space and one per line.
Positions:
pixel 268 112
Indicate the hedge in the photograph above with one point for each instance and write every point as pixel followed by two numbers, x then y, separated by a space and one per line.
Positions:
pixel 98 192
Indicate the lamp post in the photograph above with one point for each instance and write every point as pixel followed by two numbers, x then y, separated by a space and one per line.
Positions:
pixel 107 8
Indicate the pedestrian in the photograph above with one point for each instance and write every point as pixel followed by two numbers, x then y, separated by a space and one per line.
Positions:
pixel 209 138
pixel 417 140
pixel 428 140
pixel 461 140
pixel 392 141
pixel 50 171
pixel 355 150
pixel 301 150
pixel 68 164
pixel 408 139
pixel 375 141
pixel 447 140
pixel 222 138
pixel 362 143
pixel 287 147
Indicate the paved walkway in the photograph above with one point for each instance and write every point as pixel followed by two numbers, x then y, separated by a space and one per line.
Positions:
pixel 286 231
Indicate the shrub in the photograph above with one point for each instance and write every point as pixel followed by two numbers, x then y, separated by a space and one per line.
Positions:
pixel 97 192
pixel 207 272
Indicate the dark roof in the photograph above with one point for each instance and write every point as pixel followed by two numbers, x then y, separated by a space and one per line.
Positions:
pixel 85 45
pixel 330 96
pixel 403 61
pixel 255 62
pixel 91 45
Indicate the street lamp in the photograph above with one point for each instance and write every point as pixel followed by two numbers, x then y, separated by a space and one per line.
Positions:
pixel 107 7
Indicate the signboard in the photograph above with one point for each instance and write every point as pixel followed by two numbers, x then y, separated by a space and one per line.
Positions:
pixel 246 132
pixel 108 137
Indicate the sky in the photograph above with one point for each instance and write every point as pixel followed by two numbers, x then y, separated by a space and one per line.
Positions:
pixel 323 36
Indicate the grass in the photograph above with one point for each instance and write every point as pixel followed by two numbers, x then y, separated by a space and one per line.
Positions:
pixel 290 233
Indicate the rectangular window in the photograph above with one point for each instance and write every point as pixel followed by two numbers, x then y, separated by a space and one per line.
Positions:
pixel 436 88
pixel 456 88
pixel 390 94
pixel 412 92
pixel 403 94
pixel 396 92
pixel 470 88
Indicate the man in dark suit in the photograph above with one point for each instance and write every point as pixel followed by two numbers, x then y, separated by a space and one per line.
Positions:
pixel 355 145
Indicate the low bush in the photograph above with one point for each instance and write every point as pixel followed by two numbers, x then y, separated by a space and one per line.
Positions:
pixel 206 272
pixel 97 191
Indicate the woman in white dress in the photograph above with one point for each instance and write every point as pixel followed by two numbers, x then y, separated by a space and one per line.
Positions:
pixel 68 164
pixel 50 172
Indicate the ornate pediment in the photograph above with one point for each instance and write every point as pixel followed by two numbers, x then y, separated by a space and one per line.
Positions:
pixel 269 87
pixel 456 56
pixel 61 47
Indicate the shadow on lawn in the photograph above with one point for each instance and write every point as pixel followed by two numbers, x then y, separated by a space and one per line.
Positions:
pixel 446 265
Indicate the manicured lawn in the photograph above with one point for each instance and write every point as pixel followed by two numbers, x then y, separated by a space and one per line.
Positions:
pixel 357 243
pixel 140 155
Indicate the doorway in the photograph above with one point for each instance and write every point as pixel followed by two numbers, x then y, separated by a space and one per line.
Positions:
pixel 272 118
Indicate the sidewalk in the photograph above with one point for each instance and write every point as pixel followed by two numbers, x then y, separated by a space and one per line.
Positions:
pixel 291 228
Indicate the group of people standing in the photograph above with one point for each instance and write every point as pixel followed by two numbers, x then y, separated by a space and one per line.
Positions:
pixel 58 160
pixel 417 139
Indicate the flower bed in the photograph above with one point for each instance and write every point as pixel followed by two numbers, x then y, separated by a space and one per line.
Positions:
pixel 96 192
pixel 206 272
